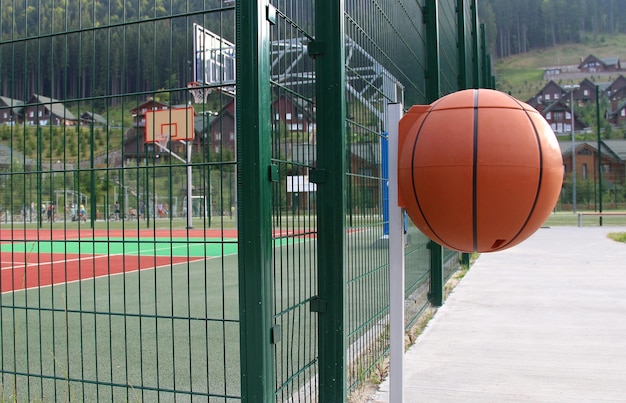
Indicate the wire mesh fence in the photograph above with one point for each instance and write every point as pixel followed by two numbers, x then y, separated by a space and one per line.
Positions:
pixel 245 259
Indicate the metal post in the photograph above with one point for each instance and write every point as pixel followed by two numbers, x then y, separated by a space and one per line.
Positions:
pixel 484 80
pixel 433 91
pixel 189 185
pixel 92 175
pixel 463 81
pixel 599 153
pixel 257 362
pixel 40 176
pixel 460 23
pixel 435 296
pixel 475 47
pixel 386 188
pixel 396 263
pixel 329 50
pixel 573 153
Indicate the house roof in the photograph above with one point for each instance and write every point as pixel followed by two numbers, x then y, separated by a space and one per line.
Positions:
pixel 556 105
pixel 149 101
pixel 54 106
pixel 95 117
pixel 11 102
pixel 609 61
pixel 616 149
pixel 201 119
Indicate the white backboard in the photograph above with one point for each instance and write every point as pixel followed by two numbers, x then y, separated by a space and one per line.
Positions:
pixel 214 58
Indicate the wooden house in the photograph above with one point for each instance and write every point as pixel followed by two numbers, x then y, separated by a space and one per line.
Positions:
pixel 559 116
pixel 90 118
pixel 221 134
pixel 293 114
pixel 592 64
pixel 10 110
pixel 548 94
pixel 44 111
pixel 139 112
pixel 585 93
pixel 616 90
pixel 613 160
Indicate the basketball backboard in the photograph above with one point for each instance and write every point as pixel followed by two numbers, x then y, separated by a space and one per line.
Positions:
pixel 177 123
pixel 214 58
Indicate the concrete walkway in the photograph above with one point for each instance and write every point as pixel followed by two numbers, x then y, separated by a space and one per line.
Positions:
pixel 544 321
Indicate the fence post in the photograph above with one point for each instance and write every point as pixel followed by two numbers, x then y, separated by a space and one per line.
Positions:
pixel 328 49
pixel 254 207
pixel 435 296
pixel 460 22
pixel 433 91
pixel 475 47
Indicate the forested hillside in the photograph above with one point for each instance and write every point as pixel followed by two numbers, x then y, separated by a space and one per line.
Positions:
pixel 89 48
pixel 100 55
pixel 518 26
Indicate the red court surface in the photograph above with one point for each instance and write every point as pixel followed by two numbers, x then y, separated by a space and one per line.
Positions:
pixel 22 270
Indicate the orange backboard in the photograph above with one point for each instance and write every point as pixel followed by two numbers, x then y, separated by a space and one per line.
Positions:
pixel 175 122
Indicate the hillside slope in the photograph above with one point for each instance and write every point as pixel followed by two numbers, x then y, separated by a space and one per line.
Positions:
pixel 522 75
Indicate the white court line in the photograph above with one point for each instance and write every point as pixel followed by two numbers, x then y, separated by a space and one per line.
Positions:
pixel 95 256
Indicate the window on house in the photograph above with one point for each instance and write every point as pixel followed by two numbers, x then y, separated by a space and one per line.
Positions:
pixel 288 116
pixel 5 115
pixel 586 92
pixel 218 136
pixel 557 95
pixel 548 96
pixel 231 136
pixel 584 173
pixel 605 168
pixel 558 116
pixel 40 113
pixel 31 114
pixel 549 115
pixel 277 117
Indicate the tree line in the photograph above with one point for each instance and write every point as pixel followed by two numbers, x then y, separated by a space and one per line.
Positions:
pixel 102 48
pixel 518 26
pixel 83 49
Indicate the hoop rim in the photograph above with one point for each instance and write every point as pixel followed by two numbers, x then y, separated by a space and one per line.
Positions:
pixel 198 93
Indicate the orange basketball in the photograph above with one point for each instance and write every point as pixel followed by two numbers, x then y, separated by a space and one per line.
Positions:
pixel 478 170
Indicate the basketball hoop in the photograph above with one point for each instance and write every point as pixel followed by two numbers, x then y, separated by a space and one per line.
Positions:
pixel 198 93
pixel 161 140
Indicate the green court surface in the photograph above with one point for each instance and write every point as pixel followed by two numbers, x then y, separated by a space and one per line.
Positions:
pixel 175 247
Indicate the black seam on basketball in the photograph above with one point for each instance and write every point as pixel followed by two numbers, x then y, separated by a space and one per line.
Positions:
pixel 475 175
pixel 539 182
pixel 419 207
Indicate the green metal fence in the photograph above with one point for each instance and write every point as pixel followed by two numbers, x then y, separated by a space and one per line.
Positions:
pixel 250 263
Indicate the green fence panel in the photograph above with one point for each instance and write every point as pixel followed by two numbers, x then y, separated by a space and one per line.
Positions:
pixel 294 201
pixel 108 291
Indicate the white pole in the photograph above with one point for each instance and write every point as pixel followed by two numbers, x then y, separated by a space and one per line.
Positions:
pixel 189 193
pixel 396 263
pixel 573 151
